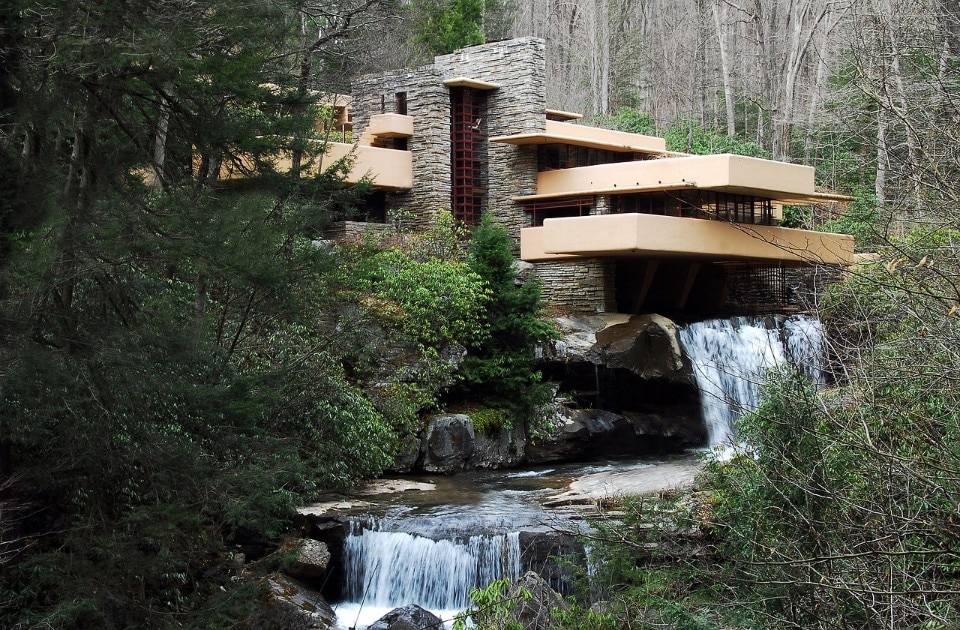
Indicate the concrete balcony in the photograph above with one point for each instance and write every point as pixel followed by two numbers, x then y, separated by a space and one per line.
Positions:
pixel 387 169
pixel 558 132
pixel 384 126
pixel 735 174
pixel 657 236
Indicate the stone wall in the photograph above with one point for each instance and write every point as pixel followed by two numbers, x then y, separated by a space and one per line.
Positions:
pixel 579 286
pixel 517 106
pixel 356 231
pixel 428 101
pixel 518 66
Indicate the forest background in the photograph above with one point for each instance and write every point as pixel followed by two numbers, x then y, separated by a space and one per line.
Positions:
pixel 163 338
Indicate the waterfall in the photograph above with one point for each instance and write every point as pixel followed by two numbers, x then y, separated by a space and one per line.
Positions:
pixel 731 357
pixel 386 569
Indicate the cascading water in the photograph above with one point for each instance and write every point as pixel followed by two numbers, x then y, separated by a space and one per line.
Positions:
pixel 731 357
pixel 387 569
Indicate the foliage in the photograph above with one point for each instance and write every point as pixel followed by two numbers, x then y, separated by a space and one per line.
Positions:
pixel 691 138
pixel 633 121
pixel 492 607
pixel 500 368
pixel 862 220
pixel 685 137
pixel 183 363
pixel 446 25
pixel 489 420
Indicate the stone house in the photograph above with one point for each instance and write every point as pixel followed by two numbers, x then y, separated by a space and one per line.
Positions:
pixel 611 221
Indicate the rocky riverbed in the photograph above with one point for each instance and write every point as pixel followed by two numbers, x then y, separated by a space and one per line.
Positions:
pixel 424 540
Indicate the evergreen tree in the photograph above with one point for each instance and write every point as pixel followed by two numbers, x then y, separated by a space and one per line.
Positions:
pixel 447 25
pixel 180 364
pixel 500 368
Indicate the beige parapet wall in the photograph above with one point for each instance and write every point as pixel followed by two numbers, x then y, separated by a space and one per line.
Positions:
pixel 623 235
pixel 387 126
pixel 387 169
pixel 556 132
pixel 790 183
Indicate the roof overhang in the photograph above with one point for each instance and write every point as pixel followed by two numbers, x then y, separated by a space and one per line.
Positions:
pixel 560 115
pixel 557 132
pixel 467 82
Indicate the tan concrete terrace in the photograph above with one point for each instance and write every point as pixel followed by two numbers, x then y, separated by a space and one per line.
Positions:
pixel 559 132
pixel 782 182
pixel 657 236
pixel 386 169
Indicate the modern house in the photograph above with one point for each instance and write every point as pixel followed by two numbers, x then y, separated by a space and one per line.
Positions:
pixel 610 220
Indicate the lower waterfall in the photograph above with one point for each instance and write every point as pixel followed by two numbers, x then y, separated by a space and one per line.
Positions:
pixel 731 357
pixel 387 569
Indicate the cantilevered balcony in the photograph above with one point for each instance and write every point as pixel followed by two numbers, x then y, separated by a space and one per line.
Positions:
pixel 735 174
pixel 656 236
pixel 557 132
pixel 386 169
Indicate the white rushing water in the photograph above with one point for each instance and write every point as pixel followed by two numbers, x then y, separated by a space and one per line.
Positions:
pixel 731 358
pixel 387 569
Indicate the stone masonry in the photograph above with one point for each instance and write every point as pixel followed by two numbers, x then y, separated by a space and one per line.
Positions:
pixel 517 106
pixel 579 286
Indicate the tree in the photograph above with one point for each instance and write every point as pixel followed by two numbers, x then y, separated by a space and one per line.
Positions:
pixel 446 25
pixel 500 367
pixel 182 363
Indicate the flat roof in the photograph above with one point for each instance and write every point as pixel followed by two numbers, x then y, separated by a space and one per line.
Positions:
pixel 476 84
pixel 562 132
pixel 554 138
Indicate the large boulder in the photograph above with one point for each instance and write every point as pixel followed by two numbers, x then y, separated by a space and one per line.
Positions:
pixel 579 434
pixel 501 448
pixel 555 554
pixel 582 433
pixel 578 336
pixel 410 617
pixel 448 443
pixel 647 345
pixel 311 559
pixel 291 605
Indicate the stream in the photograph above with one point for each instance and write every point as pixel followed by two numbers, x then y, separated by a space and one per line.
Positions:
pixel 430 546
pixel 429 540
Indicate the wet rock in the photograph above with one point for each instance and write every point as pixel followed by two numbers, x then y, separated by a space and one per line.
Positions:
pixel 610 486
pixel 552 554
pixel 291 605
pixel 409 454
pixel 583 433
pixel 311 559
pixel 448 442
pixel 503 449
pixel 411 617
pixel 579 336
pixel 646 345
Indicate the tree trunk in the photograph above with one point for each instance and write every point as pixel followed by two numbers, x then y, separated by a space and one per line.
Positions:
pixel 725 73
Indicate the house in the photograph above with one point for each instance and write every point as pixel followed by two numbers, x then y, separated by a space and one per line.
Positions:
pixel 610 220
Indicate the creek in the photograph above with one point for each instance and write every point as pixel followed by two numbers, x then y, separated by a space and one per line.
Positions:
pixel 430 545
